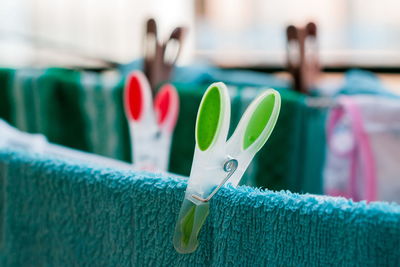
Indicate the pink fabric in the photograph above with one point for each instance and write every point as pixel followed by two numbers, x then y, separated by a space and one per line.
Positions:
pixel 361 156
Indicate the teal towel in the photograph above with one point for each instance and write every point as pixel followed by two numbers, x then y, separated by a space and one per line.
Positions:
pixel 63 213
pixel 101 102
pixel 25 99
pixel 47 101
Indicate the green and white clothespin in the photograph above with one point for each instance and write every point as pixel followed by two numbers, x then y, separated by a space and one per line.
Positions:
pixel 217 161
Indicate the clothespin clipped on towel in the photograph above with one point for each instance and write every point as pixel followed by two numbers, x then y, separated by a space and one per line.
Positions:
pixel 160 57
pixel 217 161
pixel 150 124
pixel 302 56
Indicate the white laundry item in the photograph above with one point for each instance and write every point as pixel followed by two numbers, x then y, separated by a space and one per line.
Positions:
pixel 363 155
pixel 382 124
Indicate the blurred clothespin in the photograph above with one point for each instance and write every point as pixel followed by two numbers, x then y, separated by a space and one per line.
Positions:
pixel 302 56
pixel 160 57
pixel 217 161
pixel 151 124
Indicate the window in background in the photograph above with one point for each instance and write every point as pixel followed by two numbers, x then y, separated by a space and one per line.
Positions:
pixel 230 32
pixel 34 32
pixel 252 32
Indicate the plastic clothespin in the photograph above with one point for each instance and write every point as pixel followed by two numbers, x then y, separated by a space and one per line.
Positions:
pixel 11 137
pixel 217 161
pixel 160 57
pixel 151 124
pixel 302 56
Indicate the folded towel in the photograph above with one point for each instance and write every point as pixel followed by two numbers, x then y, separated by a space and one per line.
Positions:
pixel 64 213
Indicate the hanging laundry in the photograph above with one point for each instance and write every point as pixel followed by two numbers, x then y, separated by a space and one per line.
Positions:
pixel 46 101
pixel 59 109
pixel 85 110
pixel 354 82
pixel 358 82
pixel 364 140
pixel 101 102
pixel 24 96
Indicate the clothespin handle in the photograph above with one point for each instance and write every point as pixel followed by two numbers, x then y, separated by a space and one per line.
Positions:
pixel 160 57
pixel 151 124
pixel 302 56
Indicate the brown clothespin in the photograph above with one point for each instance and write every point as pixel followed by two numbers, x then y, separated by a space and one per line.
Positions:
pixel 302 56
pixel 160 57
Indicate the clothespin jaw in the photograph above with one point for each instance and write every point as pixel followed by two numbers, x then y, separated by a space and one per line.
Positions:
pixel 151 124
pixel 166 106
pixel 137 98
pixel 217 161
pixel 302 56
pixel 160 57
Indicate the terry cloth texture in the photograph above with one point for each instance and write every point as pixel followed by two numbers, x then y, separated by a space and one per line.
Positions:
pixel 84 110
pixel 62 213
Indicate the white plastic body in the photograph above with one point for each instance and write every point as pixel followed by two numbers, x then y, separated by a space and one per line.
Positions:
pixel 150 141
pixel 150 145
pixel 217 161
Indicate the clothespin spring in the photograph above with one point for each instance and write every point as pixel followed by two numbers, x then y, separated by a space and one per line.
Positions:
pixel 230 166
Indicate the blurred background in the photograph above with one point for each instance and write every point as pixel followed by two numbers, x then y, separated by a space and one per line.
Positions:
pixel 229 33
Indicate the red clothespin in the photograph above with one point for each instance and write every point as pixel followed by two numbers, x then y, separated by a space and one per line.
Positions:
pixel 302 56
pixel 160 57
pixel 151 123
